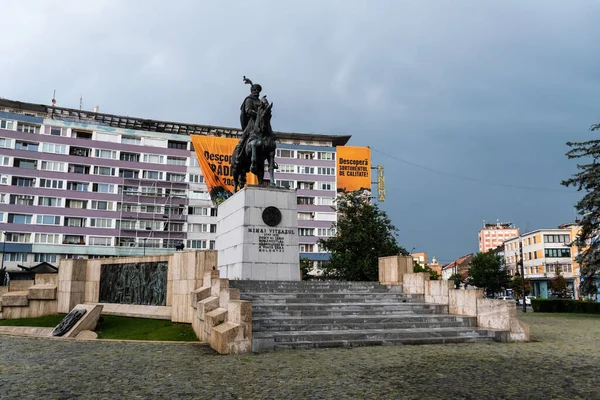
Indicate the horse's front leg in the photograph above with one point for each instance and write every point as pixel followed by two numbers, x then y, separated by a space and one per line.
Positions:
pixel 272 168
pixel 253 160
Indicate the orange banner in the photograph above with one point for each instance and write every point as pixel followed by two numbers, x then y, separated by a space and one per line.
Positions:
pixel 353 168
pixel 214 157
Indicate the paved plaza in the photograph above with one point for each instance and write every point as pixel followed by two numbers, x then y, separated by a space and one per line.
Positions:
pixel 561 362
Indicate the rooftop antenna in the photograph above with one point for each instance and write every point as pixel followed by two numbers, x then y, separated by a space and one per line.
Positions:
pixel 81 102
pixel 54 98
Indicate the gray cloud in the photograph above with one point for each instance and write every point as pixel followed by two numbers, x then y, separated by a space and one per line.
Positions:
pixel 489 90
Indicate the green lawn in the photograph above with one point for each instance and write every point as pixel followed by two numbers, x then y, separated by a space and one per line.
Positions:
pixel 124 328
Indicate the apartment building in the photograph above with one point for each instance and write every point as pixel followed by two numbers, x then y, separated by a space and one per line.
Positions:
pixel 79 184
pixel 492 235
pixel 545 251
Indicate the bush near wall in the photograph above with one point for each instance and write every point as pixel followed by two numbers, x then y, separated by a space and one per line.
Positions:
pixel 565 306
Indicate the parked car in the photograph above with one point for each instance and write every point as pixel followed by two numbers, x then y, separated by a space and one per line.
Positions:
pixel 506 298
pixel 527 300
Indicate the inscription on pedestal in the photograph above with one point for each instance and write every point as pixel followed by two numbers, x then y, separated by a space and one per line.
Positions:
pixel 271 240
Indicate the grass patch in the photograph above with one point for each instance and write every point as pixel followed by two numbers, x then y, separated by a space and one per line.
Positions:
pixel 48 321
pixel 123 328
pixel 126 328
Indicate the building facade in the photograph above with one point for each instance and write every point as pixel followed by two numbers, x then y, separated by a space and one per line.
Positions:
pixel 78 184
pixel 545 252
pixel 493 235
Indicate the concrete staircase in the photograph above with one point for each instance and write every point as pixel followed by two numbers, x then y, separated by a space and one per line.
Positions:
pixel 294 314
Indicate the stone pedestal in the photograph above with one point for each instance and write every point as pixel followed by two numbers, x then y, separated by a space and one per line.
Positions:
pixel 258 235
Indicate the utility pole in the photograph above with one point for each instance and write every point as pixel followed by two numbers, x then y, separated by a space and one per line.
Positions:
pixel 522 274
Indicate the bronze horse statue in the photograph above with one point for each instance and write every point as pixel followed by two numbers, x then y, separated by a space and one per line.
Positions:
pixel 257 145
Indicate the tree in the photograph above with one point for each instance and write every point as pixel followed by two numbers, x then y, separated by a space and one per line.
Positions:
pixel 517 286
pixel 587 179
pixel 559 284
pixel 364 233
pixel 433 274
pixel 305 267
pixel 486 272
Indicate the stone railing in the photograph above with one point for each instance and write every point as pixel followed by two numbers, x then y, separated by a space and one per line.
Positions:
pixel 491 314
pixel 220 318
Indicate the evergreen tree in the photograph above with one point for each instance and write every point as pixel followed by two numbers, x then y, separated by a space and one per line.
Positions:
pixel 587 179
pixel 364 233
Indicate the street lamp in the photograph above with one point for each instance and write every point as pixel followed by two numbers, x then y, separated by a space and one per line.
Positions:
pixel 144 239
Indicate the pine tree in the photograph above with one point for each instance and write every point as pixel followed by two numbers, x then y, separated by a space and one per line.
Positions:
pixel 587 179
pixel 363 234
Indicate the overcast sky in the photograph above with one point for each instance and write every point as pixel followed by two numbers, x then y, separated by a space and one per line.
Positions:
pixel 484 90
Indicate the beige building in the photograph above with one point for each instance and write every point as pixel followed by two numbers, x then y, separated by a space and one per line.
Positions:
pixel 494 234
pixel 420 258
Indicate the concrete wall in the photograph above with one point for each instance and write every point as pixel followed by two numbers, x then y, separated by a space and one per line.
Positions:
pixel 464 302
pixel 437 291
pixel 393 268
pixel 415 283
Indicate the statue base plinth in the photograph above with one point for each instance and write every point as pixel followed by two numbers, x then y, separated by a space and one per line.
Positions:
pixel 256 244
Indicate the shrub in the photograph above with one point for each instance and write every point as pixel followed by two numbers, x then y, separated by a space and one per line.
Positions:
pixel 565 306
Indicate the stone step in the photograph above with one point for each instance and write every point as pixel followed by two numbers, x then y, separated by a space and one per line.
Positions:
pixel 344 312
pixel 287 323
pixel 383 306
pixel 258 327
pixel 337 298
pixel 379 342
pixel 376 334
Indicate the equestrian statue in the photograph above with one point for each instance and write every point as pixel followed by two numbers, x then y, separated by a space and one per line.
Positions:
pixel 258 141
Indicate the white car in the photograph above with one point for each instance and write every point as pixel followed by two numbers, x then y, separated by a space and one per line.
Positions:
pixel 506 298
pixel 527 300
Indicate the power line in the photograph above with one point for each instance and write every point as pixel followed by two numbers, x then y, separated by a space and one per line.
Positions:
pixel 468 178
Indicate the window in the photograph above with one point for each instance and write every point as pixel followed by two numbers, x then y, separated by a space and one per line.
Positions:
pixel 153 175
pixel 77 186
pixel 103 188
pixel 151 191
pixel 322 155
pixel 131 140
pixel 174 227
pixel 306 232
pixel 73 239
pixel 196 178
pixel 5 142
pixel 80 151
pixel 306 200
pixel 101 205
pixel 197 228
pixel 303 216
pixel 47 220
pixel 44 257
pixel 306 185
pixel 325 171
pixel 18 257
pixel 46 238
pixel 51 183
pixel 302 169
pixel 131 157
pixel 5 161
pixel 23 182
pixel 75 222
pixel 152 209
pixel 19 219
pixel 22 163
pixel 306 248
pixel 106 171
pixel 213 228
pixel 81 134
pixel 556 239
pixel 27 128
pixel 101 223
pixel 283 153
pixel 171 177
pixel 17 237
pixel 176 161
pixel 100 241
pixel 128 173
pixel 213 212
pixel 173 144
pixel 8 125
pixel 199 195
pixel 325 201
pixel 212 244
pixel 101 153
pixel 27 146
pixel 197 210
pixel 72 203
pixel 326 232
pixel 288 169
pixel 550 253
pixel 153 159
pixel 21 199
pixel 285 184
pixel 54 148
pixel 307 155
pixel 324 186
pixel 54 131
pixel 193 160
pixel 196 244
pixel 79 169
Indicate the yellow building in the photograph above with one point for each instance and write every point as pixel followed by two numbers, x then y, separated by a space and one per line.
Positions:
pixel 545 252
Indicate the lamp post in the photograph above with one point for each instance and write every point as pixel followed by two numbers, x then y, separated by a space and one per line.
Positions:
pixel 144 239
pixel 2 266
pixel 522 275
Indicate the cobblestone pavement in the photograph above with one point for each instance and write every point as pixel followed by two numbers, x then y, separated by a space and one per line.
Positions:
pixel 563 361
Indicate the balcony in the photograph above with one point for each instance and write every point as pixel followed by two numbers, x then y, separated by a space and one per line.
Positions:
pixel 80 151
pixel 74 239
